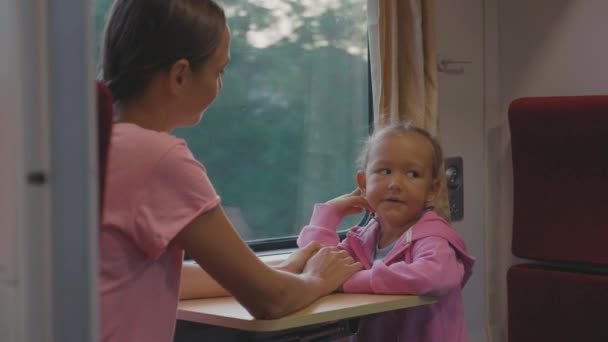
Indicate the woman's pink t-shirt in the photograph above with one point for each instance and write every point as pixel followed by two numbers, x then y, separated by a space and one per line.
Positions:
pixel 154 188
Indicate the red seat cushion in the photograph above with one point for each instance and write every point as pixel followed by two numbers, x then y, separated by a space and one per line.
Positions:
pixel 560 176
pixel 551 305
pixel 104 129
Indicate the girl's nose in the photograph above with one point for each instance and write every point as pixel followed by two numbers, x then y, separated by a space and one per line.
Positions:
pixel 395 183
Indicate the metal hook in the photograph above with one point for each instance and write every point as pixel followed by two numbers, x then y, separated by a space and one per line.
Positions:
pixel 443 65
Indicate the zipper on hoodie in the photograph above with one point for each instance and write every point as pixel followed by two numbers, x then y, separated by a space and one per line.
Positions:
pixel 355 244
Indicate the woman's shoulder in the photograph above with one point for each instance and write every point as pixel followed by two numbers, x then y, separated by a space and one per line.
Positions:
pixel 148 152
pixel 132 140
pixel 132 133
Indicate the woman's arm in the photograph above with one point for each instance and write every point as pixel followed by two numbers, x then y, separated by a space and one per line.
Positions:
pixel 196 283
pixel 264 291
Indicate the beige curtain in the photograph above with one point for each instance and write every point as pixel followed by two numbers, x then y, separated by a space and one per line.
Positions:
pixel 404 68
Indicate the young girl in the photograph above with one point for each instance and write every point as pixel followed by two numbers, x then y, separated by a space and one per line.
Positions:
pixel 163 61
pixel 406 248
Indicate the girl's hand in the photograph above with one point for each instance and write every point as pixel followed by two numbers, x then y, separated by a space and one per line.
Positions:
pixel 331 267
pixel 297 260
pixel 350 204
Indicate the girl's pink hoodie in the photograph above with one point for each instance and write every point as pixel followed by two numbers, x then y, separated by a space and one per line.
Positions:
pixel 428 259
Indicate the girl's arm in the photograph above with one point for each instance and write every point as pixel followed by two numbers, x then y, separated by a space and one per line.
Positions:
pixel 326 217
pixel 264 291
pixel 322 227
pixel 435 270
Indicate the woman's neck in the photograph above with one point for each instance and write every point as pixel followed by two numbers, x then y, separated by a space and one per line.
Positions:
pixel 147 111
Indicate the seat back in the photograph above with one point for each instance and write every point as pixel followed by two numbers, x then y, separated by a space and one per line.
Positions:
pixel 560 176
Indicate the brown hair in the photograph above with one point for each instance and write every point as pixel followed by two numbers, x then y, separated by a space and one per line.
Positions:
pixel 143 37
pixel 401 128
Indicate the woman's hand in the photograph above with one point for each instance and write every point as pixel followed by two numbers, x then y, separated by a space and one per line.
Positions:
pixel 331 267
pixel 297 260
pixel 350 204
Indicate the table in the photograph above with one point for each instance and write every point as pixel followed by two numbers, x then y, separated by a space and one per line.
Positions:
pixel 329 317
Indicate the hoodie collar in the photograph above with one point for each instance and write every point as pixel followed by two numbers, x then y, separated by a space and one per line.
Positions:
pixel 363 240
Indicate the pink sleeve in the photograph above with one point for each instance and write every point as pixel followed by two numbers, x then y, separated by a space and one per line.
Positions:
pixel 434 270
pixel 323 228
pixel 178 190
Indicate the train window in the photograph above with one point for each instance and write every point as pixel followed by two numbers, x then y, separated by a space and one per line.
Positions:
pixel 287 125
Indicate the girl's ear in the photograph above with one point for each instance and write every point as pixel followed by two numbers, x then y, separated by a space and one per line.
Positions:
pixel 433 191
pixel 361 181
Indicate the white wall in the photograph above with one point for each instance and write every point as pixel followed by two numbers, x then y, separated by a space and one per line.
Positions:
pixel 47 230
pixel 11 185
pixel 553 47
pixel 545 48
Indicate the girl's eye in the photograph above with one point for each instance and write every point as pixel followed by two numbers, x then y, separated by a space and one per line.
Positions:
pixel 384 171
pixel 412 174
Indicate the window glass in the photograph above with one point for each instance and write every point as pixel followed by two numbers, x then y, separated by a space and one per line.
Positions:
pixel 286 128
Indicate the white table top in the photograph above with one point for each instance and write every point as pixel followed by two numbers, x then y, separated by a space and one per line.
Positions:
pixel 227 312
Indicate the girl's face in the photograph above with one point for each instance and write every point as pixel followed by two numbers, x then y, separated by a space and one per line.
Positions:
pixel 398 181
pixel 205 83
